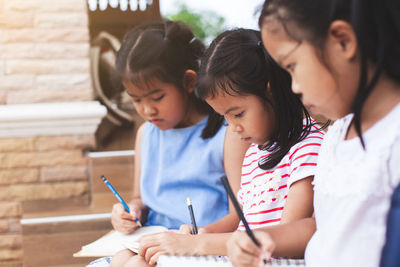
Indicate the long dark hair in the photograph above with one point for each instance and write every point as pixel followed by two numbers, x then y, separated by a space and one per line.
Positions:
pixel 164 51
pixel 237 63
pixel 376 25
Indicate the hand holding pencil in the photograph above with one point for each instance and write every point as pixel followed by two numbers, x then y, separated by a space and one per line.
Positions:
pixel 192 228
pixel 123 221
pixel 242 251
pixel 251 245
pixel 124 218
pixel 191 213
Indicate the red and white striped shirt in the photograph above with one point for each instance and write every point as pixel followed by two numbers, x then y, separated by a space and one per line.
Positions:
pixel 263 193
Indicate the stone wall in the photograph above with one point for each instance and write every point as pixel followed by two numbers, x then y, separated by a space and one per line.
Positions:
pixel 44 51
pixel 37 168
pixel 44 58
pixel 10 231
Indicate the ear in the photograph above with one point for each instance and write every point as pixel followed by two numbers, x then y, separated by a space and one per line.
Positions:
pixel 343 38
pixel 189 80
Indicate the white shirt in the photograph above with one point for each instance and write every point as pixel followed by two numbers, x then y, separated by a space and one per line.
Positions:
pixel 352 193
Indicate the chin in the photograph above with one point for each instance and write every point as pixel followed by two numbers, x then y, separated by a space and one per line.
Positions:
pixel 335 115
pixel 163 127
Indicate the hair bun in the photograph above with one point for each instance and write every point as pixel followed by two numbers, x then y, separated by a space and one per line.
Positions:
pixel 176 32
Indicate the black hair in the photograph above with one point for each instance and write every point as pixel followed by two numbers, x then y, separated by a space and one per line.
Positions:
pixel 375 23
pixel 164 51
pixel 236 63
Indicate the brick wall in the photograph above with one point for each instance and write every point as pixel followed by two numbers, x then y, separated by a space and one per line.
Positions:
pixel 44 57
pixel 10 231
pixel 44 47
pixel 40 168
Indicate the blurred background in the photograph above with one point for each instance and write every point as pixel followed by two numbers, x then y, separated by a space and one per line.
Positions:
pixel 63 123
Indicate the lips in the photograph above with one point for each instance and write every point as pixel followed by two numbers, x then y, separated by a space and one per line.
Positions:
pixel 155 121
pixel 245 138
pixel 309 106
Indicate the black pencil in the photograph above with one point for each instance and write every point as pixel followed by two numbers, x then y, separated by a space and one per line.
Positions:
pixel 238 209
pixel 190 207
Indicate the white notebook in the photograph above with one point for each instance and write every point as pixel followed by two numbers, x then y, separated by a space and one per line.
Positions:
pixel 217 261
pixel 113 241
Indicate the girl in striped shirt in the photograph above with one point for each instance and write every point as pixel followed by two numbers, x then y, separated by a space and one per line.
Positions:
pixel 243 83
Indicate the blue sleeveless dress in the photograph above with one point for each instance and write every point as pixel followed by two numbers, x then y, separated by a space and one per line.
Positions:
pixel 176 164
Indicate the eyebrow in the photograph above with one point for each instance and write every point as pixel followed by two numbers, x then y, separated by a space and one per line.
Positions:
pixel 281 58
pixel 149 93
pixel 231 109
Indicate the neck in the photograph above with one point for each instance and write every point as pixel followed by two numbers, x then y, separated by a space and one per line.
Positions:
pixel 382 100
pixel 192 116
pixel 384 97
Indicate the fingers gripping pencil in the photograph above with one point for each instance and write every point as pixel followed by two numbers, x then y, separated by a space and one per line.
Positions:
pixel 107 183
pixel 190 207
pixel 231 195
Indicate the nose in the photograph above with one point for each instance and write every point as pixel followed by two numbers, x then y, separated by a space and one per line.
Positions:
pixel 148 110
pixel 236 128
pixel 295 87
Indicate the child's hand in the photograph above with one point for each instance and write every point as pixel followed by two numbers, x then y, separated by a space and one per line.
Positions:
pixel 123 221
pixel 188 229
pixel 151 247
pixel 243 252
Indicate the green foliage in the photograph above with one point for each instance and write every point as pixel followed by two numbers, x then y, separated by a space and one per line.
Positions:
pixel 205 25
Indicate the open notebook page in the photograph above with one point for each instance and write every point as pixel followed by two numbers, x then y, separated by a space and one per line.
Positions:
pixel 114 241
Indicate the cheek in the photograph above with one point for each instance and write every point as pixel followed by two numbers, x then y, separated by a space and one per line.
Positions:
pixel 175 106
pixel 138 108
pixel 268 125
pixel 313 81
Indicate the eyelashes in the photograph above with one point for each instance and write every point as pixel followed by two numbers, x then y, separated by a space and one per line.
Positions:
pixel 239 114
pixel 154 99
pixel 158 98
pixel 289 67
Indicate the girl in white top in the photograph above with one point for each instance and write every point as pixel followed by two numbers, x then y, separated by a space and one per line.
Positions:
pixel 344 59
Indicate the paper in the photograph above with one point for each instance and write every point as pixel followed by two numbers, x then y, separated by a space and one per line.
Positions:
pixel 113 241
pixel 217 261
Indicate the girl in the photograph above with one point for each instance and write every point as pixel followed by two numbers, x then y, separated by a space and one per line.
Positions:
pixel 343 57
pixel 182 149
pixel 240 81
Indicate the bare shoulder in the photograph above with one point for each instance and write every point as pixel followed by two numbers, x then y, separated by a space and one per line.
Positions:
pixel 139 133
pixel 234 151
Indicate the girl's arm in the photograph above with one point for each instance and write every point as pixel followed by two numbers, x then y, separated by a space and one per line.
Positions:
pixel 136 198
pixel 299 202
pixel 121 220
pixel 152 246
pixel 287 240
pixel 291 239
pixel 298 206
pixel 234 152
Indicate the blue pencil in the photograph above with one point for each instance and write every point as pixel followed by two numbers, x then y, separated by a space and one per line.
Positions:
pixel 118 197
